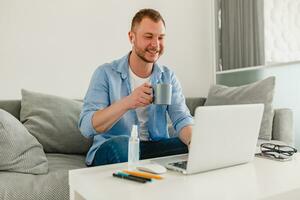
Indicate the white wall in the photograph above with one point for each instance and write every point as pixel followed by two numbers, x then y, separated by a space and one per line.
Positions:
pixel 54 46
pixel 282 30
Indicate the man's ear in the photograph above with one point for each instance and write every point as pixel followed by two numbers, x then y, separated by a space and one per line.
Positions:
pixel 131 37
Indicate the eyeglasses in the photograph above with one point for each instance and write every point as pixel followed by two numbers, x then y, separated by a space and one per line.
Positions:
pixel 277 151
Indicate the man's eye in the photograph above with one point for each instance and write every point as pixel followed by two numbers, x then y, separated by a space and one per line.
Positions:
pixel 148 37
pixel 161 38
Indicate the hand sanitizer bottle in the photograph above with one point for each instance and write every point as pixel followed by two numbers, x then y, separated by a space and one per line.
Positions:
pixel 133 148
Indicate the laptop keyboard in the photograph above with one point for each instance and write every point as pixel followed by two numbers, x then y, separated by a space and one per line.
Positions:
pixel 180 164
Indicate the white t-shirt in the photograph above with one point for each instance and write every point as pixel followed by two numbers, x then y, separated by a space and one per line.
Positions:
pixel 141 111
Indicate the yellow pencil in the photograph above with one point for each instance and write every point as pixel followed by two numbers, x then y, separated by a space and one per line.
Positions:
pixel 143 174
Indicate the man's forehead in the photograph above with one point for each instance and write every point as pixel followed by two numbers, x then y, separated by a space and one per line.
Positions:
pixel 147 25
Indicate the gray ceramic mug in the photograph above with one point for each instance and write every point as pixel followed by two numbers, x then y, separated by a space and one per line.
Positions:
pixel 162 94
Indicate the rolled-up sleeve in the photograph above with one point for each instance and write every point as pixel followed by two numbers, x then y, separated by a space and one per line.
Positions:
pixel 95 99
pixel 178 111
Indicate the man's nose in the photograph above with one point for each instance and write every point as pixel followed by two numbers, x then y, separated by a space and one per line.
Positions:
pixel 155 42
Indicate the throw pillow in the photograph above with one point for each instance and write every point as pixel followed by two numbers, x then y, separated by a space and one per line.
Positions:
pixel 258 92
pixel 19 150
pixel 53 121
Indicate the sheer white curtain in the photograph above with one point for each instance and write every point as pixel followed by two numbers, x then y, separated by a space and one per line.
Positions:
pixel 241 33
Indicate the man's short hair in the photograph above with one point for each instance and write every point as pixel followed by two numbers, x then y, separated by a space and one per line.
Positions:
pixel 146 13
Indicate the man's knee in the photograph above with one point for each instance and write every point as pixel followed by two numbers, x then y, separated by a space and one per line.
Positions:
pixel 118 141
pixel 118 149
pixel 114 150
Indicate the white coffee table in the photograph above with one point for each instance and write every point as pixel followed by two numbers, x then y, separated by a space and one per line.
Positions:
pixel 261 179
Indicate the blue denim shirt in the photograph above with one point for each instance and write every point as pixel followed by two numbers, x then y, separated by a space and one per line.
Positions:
pixel 110 83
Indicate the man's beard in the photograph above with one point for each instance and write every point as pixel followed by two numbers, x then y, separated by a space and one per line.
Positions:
pixel 141 55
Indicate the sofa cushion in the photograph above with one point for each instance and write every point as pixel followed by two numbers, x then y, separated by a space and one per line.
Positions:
pixel 53 121
pixel 258 92
pixel 51 186
pixel 19 150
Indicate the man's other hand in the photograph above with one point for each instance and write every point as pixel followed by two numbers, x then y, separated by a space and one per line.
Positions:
pixel 140 97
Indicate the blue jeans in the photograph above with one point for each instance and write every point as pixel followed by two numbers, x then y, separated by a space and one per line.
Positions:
pixel 115 150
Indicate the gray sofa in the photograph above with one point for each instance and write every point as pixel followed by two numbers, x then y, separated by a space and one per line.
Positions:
pixel 54 184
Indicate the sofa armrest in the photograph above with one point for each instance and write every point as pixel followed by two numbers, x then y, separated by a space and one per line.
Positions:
pixel 11 106
pixel 283 126
pixel 193 102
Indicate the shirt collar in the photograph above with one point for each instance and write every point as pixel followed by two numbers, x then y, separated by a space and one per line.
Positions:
pixel 122 66
pixel 157 73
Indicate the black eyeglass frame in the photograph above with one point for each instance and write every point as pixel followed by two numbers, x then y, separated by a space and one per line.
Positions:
pixel 269 148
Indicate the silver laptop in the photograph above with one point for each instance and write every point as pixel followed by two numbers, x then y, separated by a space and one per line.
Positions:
pixel 223 136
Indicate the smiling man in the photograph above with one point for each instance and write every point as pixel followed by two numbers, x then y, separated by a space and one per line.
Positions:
pixel 120 95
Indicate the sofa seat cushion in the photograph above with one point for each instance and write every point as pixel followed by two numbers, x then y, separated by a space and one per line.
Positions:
pixel 54 185
pixel 53 121
pixel 59 162
pixel 19 150
pixel 258 92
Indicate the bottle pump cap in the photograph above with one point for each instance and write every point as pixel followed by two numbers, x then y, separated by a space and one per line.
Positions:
pixel 134 131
